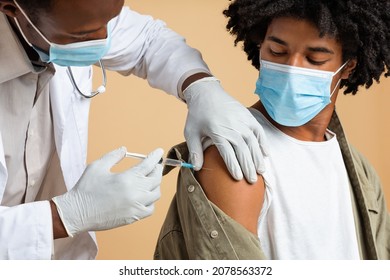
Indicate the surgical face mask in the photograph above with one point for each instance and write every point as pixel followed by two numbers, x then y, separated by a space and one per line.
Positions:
pixel 74 54
pixel 291 95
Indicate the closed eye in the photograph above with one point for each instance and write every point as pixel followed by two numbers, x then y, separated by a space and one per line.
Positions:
pixel 316 62
pixel 275 53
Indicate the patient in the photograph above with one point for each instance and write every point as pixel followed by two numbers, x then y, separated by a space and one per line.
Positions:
pixel 319 198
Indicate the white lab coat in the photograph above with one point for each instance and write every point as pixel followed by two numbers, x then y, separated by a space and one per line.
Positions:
pixel 140 46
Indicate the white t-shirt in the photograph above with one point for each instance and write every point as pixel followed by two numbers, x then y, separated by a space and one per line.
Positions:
pixel 307 211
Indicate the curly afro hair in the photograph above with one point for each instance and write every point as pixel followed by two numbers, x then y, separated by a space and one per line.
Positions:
pixel 361 26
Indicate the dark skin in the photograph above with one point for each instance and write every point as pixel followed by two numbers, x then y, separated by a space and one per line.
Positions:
pixel 292 42
pixel 68 21
pixel 297 43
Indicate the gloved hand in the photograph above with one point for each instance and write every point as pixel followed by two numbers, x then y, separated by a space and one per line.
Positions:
pixel 233 130
pixel 103 200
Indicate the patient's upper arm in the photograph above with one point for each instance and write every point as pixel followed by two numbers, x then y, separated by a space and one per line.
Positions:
pixel 238 199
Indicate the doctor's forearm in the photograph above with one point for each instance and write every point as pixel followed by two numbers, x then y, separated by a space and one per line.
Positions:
pixel 192 79
pixel 58 227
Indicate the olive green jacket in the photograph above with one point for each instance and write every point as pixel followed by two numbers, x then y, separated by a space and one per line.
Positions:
pixel 195 228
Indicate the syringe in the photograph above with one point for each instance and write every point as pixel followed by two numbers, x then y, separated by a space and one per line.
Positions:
pixel 165 161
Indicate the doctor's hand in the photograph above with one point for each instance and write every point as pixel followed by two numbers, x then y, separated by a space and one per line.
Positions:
pixel 214 114
pixel 104 200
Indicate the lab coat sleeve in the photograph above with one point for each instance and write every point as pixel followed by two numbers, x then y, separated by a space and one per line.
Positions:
pixel 26 231
pixel 145 47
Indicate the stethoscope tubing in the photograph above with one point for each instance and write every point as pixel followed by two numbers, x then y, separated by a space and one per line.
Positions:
pixel 100 89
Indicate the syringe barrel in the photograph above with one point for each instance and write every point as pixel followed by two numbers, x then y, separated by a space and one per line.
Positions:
pixel 171 162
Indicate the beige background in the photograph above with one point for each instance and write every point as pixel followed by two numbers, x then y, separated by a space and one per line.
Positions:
pixel 132 114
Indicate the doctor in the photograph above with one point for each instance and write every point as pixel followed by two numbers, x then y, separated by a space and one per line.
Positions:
pixel 49 202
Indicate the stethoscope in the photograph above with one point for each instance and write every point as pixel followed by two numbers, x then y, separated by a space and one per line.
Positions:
pixel 100 89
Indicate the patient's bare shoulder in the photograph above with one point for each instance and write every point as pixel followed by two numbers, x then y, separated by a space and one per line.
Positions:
pixel 238 199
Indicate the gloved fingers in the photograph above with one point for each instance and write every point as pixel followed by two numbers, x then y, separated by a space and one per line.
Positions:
pixel 146 166
pixel 258 131
pixel 143 211
pixel 138 184
pixel 244 155
pixel 147 211
pixel 229 157
pixel 156 173
pixel 153 180
pixel 151 196
pixel 257 153
pixel 110 159
pixel 196 151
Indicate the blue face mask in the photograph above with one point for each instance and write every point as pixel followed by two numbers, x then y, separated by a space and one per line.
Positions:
pixel 74 54
pixel 291 95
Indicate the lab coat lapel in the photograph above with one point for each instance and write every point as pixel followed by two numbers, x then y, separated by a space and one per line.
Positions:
pixel 3 169
pixel 70 120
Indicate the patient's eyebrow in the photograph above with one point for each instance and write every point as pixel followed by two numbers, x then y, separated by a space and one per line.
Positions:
pixel 312 49
pixel 277 40
pixel 320 49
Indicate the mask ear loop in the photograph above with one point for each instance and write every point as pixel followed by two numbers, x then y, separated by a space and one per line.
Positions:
pixel 100 89
pixel 21 32
pixel 260 58
pixel 339 81
pixel 32 24
pixel 341 67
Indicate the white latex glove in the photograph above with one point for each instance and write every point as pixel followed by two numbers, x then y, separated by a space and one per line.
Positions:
pixel 231 127
pixel 103 200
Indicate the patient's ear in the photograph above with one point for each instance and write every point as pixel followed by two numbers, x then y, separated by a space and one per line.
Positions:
pixel 348 69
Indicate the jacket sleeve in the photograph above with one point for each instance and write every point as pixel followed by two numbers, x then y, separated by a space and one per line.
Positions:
pixel 26 231
pixel 145 47
pixel 196 229
pixel 376 205
pixel 382 222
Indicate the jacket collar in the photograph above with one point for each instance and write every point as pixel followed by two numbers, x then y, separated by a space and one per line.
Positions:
pixel 13 57
pixel 357 187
